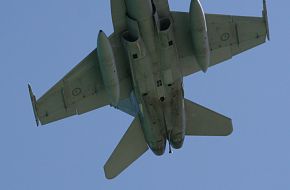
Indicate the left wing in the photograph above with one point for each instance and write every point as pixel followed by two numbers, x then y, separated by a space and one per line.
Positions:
pixel 81 90
pixel 228 36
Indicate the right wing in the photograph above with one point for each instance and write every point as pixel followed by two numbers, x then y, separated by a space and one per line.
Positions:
pixel 228 36
pixel 129 149
pixel 201 121
pixel 82 89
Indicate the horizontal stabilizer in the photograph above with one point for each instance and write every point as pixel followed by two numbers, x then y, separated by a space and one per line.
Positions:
pixel 201 121
pixel 129 149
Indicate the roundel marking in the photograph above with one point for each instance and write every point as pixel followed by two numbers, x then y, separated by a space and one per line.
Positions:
pixel 225 36
pixel 76 91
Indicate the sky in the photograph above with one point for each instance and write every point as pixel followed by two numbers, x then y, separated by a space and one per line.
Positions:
pixel 40 41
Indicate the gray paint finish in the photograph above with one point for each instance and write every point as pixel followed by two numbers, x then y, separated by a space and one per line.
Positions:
pixel 142 65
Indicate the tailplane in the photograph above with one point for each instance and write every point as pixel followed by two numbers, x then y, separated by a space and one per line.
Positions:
pixel 129 149
pixel 201 121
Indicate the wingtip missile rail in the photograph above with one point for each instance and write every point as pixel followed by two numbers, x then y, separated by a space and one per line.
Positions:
pixel 33 102
pixel 265 16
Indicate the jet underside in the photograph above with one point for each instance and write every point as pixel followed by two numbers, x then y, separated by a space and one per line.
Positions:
pixel 139 69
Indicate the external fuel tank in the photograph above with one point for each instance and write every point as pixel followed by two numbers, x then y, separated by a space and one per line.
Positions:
pixel 108 68
pixel 199 35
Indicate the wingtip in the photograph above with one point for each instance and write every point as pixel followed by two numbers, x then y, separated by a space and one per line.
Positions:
pixel 109 175
pixel 33 102
pixel 29 88
pixel 265 16
pixel 230 129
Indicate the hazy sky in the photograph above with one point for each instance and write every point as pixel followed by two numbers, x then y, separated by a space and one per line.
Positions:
pixel 40 41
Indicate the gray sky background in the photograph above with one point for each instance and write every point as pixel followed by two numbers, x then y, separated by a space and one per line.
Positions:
pixel 42 40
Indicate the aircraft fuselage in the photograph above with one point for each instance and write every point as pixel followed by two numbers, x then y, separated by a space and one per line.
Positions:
pixel 156 75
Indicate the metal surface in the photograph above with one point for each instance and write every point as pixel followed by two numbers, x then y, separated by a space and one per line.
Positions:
pixel 199 35
pixel 140 68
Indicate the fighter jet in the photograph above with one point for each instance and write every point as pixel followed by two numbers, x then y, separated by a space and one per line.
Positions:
pixel 139 69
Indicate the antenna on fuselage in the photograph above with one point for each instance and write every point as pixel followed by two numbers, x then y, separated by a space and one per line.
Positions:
pixel 169 142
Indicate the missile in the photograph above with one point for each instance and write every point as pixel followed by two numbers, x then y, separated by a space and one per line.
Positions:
pixel 108 68
pixel 199 35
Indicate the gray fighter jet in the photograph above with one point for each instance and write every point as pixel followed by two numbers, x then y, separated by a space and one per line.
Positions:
pixel 139 69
